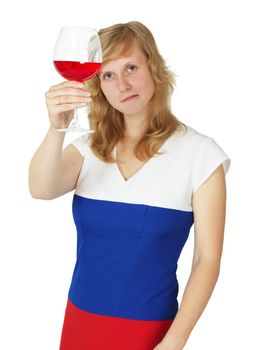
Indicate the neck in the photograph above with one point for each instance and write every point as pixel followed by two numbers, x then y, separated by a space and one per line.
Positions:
pixel 134 127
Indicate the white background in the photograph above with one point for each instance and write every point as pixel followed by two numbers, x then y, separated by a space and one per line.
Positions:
pixel 208 44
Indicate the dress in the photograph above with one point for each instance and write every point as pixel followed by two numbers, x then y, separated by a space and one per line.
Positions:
pixel 123 293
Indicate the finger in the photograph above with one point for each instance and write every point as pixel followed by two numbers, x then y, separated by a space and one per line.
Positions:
pixel 67 107
pixel 63 99
pixel 68 83
pixel 67 91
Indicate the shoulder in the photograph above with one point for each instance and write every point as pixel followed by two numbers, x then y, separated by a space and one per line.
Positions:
pixel 202 145
pixel 187 139
pixel 206 155
pixel 82 144
pixel 195 142
pixel 196 138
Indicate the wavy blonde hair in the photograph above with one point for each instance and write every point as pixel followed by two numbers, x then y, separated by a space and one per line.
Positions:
pixel 107 122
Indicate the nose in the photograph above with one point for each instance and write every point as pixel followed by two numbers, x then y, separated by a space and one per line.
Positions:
pixel 123 84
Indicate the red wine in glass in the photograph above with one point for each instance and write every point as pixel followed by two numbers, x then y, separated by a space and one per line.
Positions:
pixel 77 56
pixel 72 70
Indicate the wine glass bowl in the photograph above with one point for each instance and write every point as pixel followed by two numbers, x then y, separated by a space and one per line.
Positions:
pixel 77 56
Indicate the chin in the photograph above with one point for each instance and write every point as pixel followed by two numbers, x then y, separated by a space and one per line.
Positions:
pixel 132 111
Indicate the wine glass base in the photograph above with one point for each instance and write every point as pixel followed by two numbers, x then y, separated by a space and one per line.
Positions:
pixel 77 129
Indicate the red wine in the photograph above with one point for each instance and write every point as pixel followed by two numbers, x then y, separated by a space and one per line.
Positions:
pixel 72 70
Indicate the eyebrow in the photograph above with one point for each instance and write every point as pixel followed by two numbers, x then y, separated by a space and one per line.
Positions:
pixel 126 64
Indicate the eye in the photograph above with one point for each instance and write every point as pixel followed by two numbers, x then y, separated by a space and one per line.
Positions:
pixel 107 76
pixel 132 68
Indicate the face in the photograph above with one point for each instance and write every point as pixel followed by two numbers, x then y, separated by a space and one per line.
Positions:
pixel 127 83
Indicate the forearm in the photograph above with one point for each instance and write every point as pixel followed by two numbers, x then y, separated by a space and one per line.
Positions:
pixel 195 298
pixel 45 166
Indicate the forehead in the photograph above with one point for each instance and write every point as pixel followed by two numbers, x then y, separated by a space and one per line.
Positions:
pixel 133 54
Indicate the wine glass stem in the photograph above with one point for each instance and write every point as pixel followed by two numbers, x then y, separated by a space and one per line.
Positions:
pixel 75 120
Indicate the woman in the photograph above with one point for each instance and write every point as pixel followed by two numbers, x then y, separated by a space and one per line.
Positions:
pixel 141 180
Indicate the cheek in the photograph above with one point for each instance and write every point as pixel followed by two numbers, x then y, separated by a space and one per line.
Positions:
pixel 145 83
pixel 150 86
pixel 107 91
pixel 110 94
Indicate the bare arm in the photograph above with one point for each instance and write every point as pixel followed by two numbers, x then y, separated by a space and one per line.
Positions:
pixel 52 171
pixel 209 206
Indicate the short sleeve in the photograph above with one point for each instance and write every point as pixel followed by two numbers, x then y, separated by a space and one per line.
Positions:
pixel 81 143
pixel 209 156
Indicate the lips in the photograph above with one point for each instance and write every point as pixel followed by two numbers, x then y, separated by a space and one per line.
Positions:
pixel 129 98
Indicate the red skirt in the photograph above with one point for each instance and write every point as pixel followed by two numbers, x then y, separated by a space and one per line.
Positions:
pixel 88 331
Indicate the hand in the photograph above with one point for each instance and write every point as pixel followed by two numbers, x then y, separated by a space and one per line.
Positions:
pixel 63 99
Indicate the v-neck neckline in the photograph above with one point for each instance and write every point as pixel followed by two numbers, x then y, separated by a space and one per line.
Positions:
pixel 145 165
pixel 149 161
pixel 132 176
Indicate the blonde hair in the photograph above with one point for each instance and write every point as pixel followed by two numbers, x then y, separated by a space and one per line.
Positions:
pixel 108 122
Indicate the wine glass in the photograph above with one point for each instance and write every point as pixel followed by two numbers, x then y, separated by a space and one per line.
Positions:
pixel 77 56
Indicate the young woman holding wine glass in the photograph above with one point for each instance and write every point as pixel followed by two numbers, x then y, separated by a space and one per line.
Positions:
pixel 141 179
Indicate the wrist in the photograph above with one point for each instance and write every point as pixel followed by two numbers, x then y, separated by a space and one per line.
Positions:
pixel 54 131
